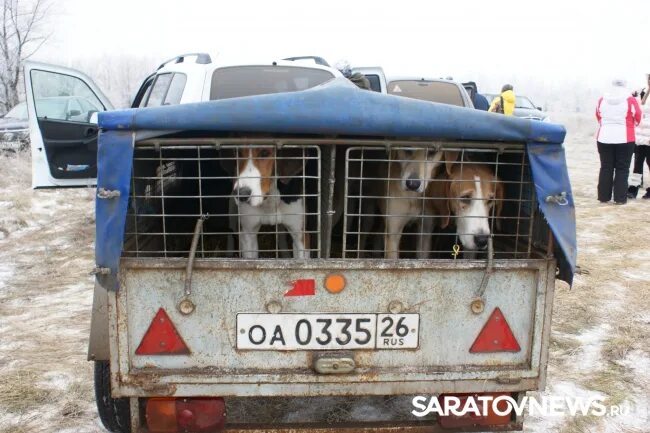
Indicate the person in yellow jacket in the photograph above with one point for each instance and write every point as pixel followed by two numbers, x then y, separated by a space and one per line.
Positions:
pixel 504 103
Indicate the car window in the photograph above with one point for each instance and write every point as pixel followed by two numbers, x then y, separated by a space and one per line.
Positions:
pixel 434 91
pixel 238 81
pixel 375 83
pixel 18 112
pixel 523 102
pixel 54 92
pixel 87 106
pixel 175 91
pixel 159 90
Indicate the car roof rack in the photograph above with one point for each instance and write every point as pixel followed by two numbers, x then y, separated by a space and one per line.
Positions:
pixel 201 59
pixel 318 60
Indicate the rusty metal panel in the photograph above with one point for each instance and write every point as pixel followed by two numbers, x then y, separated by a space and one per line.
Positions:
pixel 440 291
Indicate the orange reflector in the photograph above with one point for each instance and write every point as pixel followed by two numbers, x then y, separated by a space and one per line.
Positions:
pixel 162 338
pixel 198 415
pixel 471 418
pixel 161 415
pixel 496 336
pixel 335 283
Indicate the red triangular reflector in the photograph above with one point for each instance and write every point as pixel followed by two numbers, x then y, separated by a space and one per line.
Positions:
pixel 162 338
pixel 302 288
pixel 496 336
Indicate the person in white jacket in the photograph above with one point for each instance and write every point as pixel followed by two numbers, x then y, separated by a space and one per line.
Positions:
pixel 618 112
pixel 642 150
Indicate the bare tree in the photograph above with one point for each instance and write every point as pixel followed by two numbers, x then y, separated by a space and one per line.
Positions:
pixel 21 35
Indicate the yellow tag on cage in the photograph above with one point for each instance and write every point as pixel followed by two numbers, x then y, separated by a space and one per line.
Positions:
pixel 455 250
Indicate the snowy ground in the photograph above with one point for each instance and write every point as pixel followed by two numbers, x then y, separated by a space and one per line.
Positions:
pixel 601 329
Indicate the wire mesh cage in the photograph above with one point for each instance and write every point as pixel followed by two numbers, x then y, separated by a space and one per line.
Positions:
pixel 423 202
pixel 254 200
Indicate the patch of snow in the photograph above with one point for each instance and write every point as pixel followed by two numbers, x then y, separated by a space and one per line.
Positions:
pixel 592 343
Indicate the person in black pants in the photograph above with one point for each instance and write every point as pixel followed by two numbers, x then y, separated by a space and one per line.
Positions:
pixel 618 112
pixel 614 169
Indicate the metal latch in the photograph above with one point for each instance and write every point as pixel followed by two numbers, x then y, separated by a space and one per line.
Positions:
pixel 100 271
pixel 559 199
pixel 478 303
pixel 186 306
pixel 107 193
pixel 339 363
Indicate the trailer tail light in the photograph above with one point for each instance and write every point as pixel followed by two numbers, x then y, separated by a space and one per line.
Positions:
pixel 470 418
pixel 175 415
pixel 162 338
pixel 496 336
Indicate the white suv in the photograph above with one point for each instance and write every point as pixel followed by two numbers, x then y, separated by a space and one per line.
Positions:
pixel 64 146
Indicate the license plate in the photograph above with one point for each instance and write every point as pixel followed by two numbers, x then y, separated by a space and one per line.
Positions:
pixel 324 331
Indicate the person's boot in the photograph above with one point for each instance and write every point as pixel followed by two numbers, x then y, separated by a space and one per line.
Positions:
pixel 632 191
pixel 647 194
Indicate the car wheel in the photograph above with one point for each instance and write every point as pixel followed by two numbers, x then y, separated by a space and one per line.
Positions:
pixel 115 413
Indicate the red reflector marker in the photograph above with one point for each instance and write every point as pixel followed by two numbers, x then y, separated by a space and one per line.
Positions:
pixel 496 336
pixel 162 338
pixel 302 288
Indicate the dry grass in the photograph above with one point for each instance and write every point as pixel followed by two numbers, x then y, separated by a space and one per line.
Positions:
pixel 19 392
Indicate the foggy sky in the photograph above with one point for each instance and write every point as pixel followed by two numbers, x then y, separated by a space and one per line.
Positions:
pixel 551 41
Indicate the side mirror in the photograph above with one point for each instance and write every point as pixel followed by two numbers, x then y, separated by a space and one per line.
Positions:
pixel 540 108
pixel 73 113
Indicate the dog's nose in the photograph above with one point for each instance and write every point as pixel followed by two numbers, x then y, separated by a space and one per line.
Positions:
pixel 481 241
pixel 413 183
pixel 243 194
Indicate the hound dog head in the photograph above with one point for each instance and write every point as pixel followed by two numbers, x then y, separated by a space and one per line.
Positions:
pixel 417 167
pixel 472 194
pixel 258 169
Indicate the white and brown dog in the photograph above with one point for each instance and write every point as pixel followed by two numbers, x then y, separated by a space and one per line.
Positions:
pixel 403 197
pixel 471 194
pixel 267 192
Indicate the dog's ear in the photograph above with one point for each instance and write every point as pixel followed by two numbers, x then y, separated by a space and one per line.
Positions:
pixel 450 159
pixel 498 205
pixel 289 163
pixel 228 161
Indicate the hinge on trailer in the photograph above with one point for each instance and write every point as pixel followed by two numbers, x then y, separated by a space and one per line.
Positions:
pixel 107 193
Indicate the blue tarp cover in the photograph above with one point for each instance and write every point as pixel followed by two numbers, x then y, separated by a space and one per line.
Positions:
pixel 334 108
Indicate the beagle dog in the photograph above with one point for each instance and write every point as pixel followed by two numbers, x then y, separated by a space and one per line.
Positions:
pixel 266 192
pixel 471 194
pixel 403 199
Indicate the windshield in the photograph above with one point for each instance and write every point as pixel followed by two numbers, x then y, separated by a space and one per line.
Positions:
pixel 18 112
pixel 239 81
pixel 523 102
pixel 434 91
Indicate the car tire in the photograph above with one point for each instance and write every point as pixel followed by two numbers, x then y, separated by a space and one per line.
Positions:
pixel 114 413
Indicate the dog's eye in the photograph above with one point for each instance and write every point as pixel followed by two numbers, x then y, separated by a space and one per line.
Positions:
pixel 466 199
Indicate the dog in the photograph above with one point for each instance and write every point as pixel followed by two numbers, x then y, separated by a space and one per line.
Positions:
pixel 471 194
pixel 266 192
pixel 402 197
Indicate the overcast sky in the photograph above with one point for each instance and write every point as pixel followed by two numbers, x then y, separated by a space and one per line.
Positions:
pixel 506 40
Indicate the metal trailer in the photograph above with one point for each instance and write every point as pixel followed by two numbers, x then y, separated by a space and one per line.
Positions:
pixel 181 319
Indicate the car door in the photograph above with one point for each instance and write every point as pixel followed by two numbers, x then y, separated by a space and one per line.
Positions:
pixel 61 105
